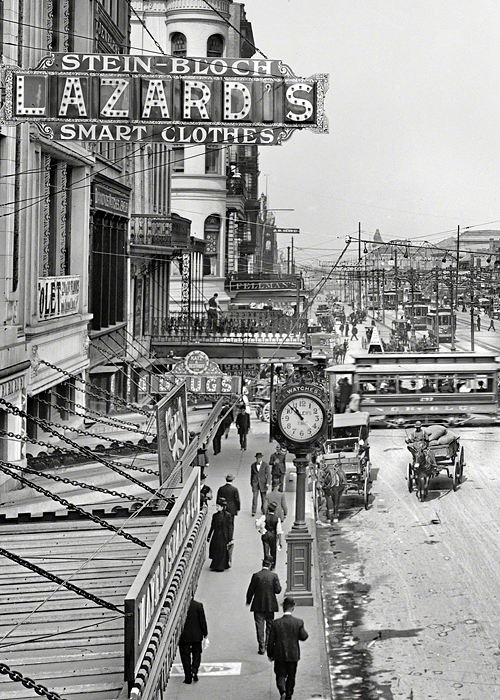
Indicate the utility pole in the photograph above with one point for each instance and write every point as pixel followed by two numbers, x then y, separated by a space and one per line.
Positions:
pixel 359 266
pixel 293 261
pixel 396 279
pixel 383 296
pixel 437 308
pixel 472 328
pixel 452 314
pixel 288 260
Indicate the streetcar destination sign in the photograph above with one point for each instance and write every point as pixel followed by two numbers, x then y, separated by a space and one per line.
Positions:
pixel 100 97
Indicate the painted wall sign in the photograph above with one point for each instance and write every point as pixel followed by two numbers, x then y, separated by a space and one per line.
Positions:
pixel 144 601
pixel 58 296
pixel 94 97
pixel 200 374
pixel 292 231
pixel 172 427
pixel 110 200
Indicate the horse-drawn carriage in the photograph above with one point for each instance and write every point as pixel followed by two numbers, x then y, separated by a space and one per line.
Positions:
pixel 441 451
pixel 344 464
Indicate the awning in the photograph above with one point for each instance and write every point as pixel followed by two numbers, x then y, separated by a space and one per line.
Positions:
pixel 104 369
pixel 143 362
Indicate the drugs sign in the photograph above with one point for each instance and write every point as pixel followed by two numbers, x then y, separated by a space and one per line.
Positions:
pixel 94 97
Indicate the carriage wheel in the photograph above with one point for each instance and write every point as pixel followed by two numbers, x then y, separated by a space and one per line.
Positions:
pixel 366 492
pixel 409 477
pixel 266 412
pixel 456 475
pixel 461 460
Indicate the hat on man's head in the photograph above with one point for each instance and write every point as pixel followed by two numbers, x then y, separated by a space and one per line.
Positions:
pixel 271 507
pixel 418 424
pixel 230 477
pixel 258 454
pixel 267 561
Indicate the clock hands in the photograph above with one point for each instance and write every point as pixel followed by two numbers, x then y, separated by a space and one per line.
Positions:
pixel 296 410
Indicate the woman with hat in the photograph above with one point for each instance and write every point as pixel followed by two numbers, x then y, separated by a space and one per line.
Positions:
pixel 220 537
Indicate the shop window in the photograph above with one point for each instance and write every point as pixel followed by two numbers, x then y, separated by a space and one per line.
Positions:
pixel 215 46
pixel 179 44
pixel 212 159
pixel 178 159
pixel 212 235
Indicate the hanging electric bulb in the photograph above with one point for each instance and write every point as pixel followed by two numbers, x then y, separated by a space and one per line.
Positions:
pixel 365 249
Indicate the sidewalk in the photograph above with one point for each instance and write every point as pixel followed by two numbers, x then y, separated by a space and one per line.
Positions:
pixel 231 668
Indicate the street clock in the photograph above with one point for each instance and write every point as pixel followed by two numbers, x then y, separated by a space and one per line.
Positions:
pixel 300 416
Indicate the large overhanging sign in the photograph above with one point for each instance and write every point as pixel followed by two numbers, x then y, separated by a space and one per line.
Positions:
pixel 99 97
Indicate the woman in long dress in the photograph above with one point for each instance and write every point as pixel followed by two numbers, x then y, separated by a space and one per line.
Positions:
pixel 220 536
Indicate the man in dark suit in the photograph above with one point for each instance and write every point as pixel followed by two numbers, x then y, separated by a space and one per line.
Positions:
pixel 277 462
pixel 283 648
pixel 195 629
pixel 262 591
pixel 231 494
pixel 260 480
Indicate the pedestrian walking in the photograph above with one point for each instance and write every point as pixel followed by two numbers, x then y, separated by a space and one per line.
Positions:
pixel 277 462
pixel 346 329
pixel 216 442
pixel 261 596
pixel 190 642
pixel 354 335
pixel 277 497
pixel 227 421
pixel 478 322
pixel 491 327
pixel 345 391
pixel 231 495
pixel 260 479
pixel 269 526
pixel 283 648
pixel 243 426
pixel 220 537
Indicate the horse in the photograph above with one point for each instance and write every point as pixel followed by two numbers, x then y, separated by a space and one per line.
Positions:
pixel 423 468
pixel 331 481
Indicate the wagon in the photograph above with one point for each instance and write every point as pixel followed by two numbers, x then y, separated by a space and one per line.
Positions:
pixel 348 446
pixel 448 453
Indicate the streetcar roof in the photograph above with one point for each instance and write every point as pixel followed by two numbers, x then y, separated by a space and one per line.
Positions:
pixel 467 368
pixel 348 420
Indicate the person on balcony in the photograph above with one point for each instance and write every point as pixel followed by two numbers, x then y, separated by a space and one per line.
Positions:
pixel 213 310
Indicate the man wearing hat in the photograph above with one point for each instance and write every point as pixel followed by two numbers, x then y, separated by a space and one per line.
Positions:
pixel 277 462
pixel 260 480
pixel 419 437
pixel 261 594
pixel 283 648
pixel 231 495
pixel 243 425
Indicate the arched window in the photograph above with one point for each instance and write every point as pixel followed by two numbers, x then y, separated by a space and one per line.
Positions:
pixel 212 235
pixel 179 44
pixel 215 45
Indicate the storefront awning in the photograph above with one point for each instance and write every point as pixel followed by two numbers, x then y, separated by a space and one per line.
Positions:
pixel 104 369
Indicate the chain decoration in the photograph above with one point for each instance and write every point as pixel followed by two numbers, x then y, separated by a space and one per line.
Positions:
pixel 60 581
pixel 115 422
pixel 84 450
pixel 79 484
pixel 103 392
pixel 29 683
pixel 6 468
pixel 87 433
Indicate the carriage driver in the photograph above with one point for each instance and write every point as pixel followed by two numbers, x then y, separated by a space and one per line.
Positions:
pixel 418 437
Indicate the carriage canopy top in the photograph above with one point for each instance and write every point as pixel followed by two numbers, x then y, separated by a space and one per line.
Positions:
pixel 351 420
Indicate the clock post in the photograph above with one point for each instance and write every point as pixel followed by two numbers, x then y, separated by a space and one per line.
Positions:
pixel 299 418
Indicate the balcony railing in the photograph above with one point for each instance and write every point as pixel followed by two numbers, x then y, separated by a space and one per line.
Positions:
pixel 251 326
pixel 220 5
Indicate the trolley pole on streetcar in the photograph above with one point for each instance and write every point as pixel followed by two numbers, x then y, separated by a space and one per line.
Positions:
pixel 437 308
pixel 360 293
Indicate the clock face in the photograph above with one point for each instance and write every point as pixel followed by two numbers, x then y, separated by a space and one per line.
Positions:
pixel 302 418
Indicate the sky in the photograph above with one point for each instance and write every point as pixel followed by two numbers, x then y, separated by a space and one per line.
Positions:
pixel 414 116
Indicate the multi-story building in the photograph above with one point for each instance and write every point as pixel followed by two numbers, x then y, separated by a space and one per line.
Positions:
pixel 45 223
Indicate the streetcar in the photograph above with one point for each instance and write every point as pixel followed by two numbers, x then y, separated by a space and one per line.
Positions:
pixel 416 314
pixel 454 388
pixel 441 319
pixel 389 300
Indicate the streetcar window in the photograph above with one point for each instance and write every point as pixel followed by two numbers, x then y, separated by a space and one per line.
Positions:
pixel 446 384
pixel 409 385
pixel 368 387
pixel 428 386
pixel 482 383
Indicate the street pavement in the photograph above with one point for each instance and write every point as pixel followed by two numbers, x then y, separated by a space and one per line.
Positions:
pixel 411 589
pixel 231 668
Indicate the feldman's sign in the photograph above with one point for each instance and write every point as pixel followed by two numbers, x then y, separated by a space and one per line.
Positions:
pixel 94 97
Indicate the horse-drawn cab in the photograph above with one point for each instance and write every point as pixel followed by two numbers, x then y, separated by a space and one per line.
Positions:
pixel 345 461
